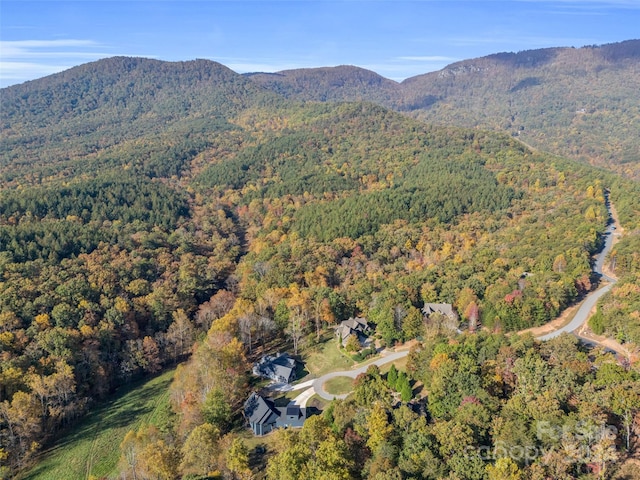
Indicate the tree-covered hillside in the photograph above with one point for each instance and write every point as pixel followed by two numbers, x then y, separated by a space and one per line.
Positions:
pixel 153 212
pixel 94 117
pixel 580 103
pixel 343 83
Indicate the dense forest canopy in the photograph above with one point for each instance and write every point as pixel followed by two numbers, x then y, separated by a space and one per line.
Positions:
pixel 153 213
pixel 119 113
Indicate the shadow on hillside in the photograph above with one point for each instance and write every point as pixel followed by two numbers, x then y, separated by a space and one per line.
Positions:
pixel 526 58
pixel 121 409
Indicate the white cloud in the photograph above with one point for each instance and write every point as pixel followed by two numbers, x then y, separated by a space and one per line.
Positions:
pixel 13 48
pixel 23 60
pixel 26 70
pixel 73 54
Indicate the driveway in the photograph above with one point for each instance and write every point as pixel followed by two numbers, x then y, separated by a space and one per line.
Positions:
pixel 317 385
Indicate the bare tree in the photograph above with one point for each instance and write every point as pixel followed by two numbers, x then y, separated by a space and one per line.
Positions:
pixel 180 333
pixel 217 307
pixel 296 328
pixel 247 323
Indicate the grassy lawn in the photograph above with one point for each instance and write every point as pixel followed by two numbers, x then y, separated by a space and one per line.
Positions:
pixel 339 385
pixel 326 357
pixel 93 447
pixel 400 364
pixel 282 399
pixel 252 442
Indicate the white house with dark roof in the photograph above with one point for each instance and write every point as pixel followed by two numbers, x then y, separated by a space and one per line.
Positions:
pixel 291 416
pixel 261 414
pixel 279 368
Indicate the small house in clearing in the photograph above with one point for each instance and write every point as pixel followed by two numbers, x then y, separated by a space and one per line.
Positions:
pixel 354 326
pixel 279 368
pixel 263 416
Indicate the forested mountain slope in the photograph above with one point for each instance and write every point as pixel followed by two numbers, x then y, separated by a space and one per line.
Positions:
pixel 343 83
pixel 577 102
pixel 93 116
pixel 145 203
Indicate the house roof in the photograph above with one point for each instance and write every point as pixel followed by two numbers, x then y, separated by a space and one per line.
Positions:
pixel 343 331
pixel 258 409
pixel 293 411
pixel 357 323
pixel 442 308
pixel 281 359
pixel 273 366
pixel 354 326
pixel 291 416
pixel 282 371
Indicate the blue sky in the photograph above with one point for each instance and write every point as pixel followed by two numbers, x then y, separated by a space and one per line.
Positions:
pixel 397 39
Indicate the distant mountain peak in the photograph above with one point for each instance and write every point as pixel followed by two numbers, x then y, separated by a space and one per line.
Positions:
pixel 532 94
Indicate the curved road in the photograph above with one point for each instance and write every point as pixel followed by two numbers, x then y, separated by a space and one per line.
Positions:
pixel 581 316
pixel 583 313
pixel 317 385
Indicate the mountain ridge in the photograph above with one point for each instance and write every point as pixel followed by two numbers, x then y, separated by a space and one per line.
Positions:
pixel 576 102
pixel 536 94
pixel 105 104
pixel 146 203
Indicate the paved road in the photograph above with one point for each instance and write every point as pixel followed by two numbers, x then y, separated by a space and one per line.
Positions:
pixel 584 312
pixel 582 315
pixel 287 387
pixel 387 357
pixel 317 385
pixel 302 399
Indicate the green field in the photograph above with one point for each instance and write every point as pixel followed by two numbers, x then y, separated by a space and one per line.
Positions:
pixel 339 385
pixel 326 357
pixel 93 448
pixel 400 364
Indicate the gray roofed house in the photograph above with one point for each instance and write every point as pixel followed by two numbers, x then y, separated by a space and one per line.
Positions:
pixel 263 416
pixel 279 368
pixel 291 416
pixel 445 309
pixel 354 326
pixel 449 318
